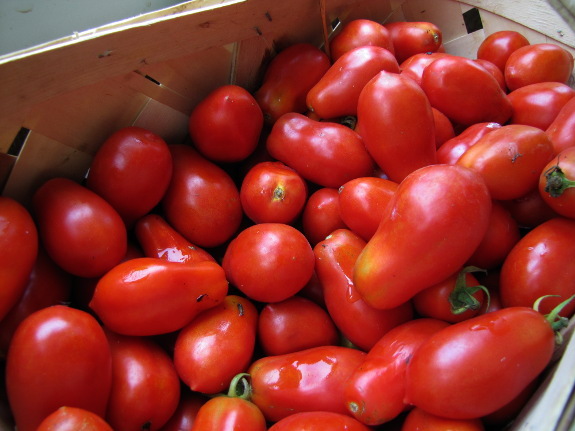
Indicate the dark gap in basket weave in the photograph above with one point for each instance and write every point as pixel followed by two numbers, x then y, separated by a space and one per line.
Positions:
pixel 18 142
pixel 472 20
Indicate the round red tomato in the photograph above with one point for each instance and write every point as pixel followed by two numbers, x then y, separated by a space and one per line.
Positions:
pixel 410 38
pixel 131 171
pixel 357 33
pixel 269 262
pixel 321 214
pixel 556 183
pixel 73 419
pixel 498 46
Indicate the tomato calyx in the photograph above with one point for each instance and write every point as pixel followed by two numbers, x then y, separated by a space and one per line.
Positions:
pixel 556 321
pixel 556 181
pixel 462 299
pixel 240 387
pixel 349 121
pixel 279 193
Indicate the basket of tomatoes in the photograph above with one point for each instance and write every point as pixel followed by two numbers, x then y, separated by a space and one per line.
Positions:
pixel 291 215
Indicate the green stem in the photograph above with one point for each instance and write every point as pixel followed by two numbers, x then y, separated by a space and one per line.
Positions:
pixel 556 321
pixel 556 181
pixel 240 387
pixel 462 299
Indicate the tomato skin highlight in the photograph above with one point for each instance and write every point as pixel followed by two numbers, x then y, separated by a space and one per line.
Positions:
pixel 438 226
pixel 472 368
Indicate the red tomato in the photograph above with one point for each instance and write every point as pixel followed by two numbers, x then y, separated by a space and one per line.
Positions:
pixel 396 124
pixel 269 262
pixel 538 104
pixel 509 159
pixel 502 234
pixel 497 47
pixel 465 91
pixel 472 368
pixel 150 296
pixel 217 345
pixel 529 210
pixel 226 125
pixel 556 183
pixel 186 412
pixel 540 62
pixel 359 32
pixel 410 38
pixel 362 203
pixel 418 419
pixel 495 71
pixel 561 131
pixel 337 92
pixel 224 413
pixel 56 354
pixel 73 419
pixel 295 324
pixel 438 227
pixel 444 130
pixel 80 231
pixel 131 171
pixel 303 381
pixel 318 421
pixel 288 78
pixel 359 322
pixel 202 202
pixel 322 215
pixel 541 264
pixel 414 66
pixel 158 239
pixel 145 386
pixel 47 285
pixel 272 192
pixel 385 367
pixel 454 148
pixel 505 415
pixel 18 251
pixel 325 153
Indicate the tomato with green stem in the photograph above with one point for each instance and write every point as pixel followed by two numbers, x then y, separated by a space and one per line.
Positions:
pixel 556 183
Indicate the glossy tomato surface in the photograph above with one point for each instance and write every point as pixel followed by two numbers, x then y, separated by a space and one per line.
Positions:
pixel 322 214
pixel 498 46
pixel 73 419
pixel 561 131
pixel 410 38
pixel 357 33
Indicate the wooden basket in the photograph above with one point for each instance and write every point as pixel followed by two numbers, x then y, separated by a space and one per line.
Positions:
pixel 60 100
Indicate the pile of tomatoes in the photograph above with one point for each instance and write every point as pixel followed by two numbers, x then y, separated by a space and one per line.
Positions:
pixel 380 237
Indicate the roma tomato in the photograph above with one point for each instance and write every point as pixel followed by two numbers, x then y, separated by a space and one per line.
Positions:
pixel 362 203
pixel 272 192
pixel 151 296
pixel 495 71
pixel 322 215
pixel 325 153
pixel 269 262
pixel 80 231
pixel 385 367
pixel 472 368
pixel 73 419
pixel 288 78
pixel 410 38
pixel 145 386
pixel 454 148
pixel 509 159
pixel 160 240
pixel 397 124
pixel 359 322
pixel 497 47
pixel 318 421
pixel 438 227
pixel 538 104
pixel 418 419
pixel 202 202
pixel 303 381
pixel 556 183
pixel 465 91
pixel 444 130
pixel 337 92
pixel 18 251
pixel 357 33
pixel 55 355
pixel 226 125
pixel 294 324
pixel 539 62
pixel 217 345
pixel 131 171
pixel 561 131
pixel 540 264
pixel 414 66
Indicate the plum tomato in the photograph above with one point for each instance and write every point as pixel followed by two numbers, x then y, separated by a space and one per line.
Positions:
pixel 454 148
pixel 318 421
pixel 418 419
pixel 357 33
pixel 322 214
pixel 410 38
pixel 498 46
pixel 561 131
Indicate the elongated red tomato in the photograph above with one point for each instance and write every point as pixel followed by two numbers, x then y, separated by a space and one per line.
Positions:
pixel 73 419
pixel 397 124
pixel 337 92
pixel 385 367
pixel 145 386
pixel 498 46
pixel 454 148
pixel 438 227
pixel 150 296
pixel 444 130
pixel 80 231
pixel 318 421
pixel 55 355
pixel 414 66
pixel 325 153
pixel 303 381
pixel 217 345
pixel 131 171
pixel 562 130
pixel 410 38
pixel 474 367
pixel 357 33
pixel 418 419
pixel 358 321
pixel 556 183
pixel 322 215
pixel 18 251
